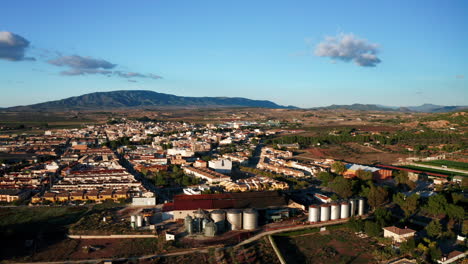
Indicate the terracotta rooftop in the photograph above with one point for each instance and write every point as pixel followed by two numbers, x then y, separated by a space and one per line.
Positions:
pixel 399 231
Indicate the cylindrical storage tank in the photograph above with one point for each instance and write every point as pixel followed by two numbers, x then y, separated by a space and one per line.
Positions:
pixel 234 218
pixel 188 222
pixel 324 212
pixel 204 222
pixel 190 227
pixel 344 210
pixel 335 211
pixel 210 229
pixel 250 219
pixel 353 207
pixel 218 215
pixel 139 220
pixel 314 214
pixel 200 213
pixel 132 219
pixel 361 205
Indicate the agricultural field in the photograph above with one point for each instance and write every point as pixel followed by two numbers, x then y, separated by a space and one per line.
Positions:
pixel 448 163
pixel 334 246
pixel 444 172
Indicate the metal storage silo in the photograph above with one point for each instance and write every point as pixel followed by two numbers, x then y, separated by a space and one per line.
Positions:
pixel 314 213
pixel 324 212
pixel 204 222
pixel 361 206
pixel 200 213
pixel 353 207
pixel 335 211
pixel 234 218
pixel 210 229
pixel 344 210
pixel 132 219
pixel 188 222
pixel 250 219
pixel 219 217
pixel 190 228
pixel 139 221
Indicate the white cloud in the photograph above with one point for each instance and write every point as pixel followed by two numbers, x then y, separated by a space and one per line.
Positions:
pixel 348 47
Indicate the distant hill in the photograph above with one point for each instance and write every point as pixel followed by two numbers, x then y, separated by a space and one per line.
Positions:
pixel 425 108
pixel 142 99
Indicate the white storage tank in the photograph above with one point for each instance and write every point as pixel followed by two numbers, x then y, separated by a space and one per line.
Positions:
pixel 218 215
pixel 234 218
pixel 344 210
pixel 324 212
pixel 335 211
pixel 353 207
pixel 219 218
pixel 314 213
pixel 250 219
pixel 132 219
pixel 139 221
pixel 361 206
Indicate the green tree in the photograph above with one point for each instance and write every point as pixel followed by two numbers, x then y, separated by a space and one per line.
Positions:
pixel 357 225
pixel 435 253
pixel 407 204
pixel 456 197
pixel 408 246
pixel 455 212
pixel 338 167
pixel 434 229
pixel 372 228
pixel 382 216
pixel 364 175
pixel 343 187
pixel 325 177
pixel 436 204
pixel 377 196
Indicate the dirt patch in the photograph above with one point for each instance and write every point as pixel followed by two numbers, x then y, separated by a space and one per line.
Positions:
pixel 339 246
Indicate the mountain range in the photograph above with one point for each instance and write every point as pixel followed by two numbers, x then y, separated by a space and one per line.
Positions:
pixel 425 108
pixel 141 99
pixel 138 99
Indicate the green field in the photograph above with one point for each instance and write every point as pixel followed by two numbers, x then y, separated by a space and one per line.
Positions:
pixel 444 172
pixel 450 164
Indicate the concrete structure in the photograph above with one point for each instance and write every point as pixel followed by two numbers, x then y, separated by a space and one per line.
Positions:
pixel 344 211
pixel 250 219
pixel 221 165
pixel 398 235
pixel 143 201
pixel 234 218
pixel 314 214
pixel 324 212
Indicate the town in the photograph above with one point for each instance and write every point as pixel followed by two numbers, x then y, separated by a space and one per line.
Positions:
pixel 238 187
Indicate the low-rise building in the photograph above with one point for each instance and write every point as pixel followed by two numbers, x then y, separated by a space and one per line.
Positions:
pixel 398 235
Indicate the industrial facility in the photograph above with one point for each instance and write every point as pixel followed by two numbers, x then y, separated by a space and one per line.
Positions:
pixel 338 210
pixel 220 221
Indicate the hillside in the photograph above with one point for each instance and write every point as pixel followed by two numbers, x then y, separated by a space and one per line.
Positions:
pixel 141 99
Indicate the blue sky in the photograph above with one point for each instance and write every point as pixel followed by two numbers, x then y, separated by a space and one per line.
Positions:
pixel 303 53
